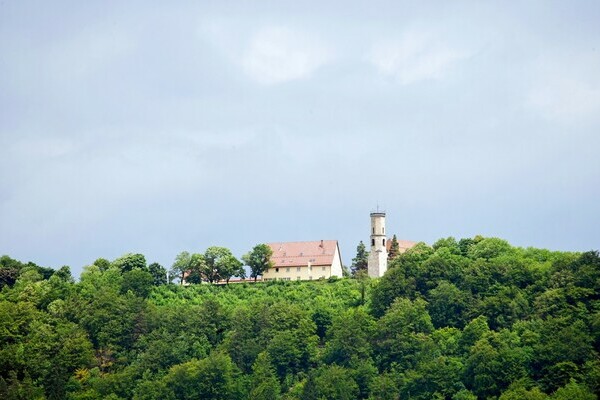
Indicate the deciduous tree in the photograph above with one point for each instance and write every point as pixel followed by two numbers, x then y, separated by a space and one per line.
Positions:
pixel 259 260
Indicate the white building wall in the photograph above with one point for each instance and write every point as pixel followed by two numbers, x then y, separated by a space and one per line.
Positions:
pixel 302 273
pixel 336 266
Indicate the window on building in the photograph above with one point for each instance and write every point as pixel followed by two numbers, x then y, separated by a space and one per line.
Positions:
pixel 373 231
pixel 372 242
pixel 276 269
pixel 287 269
pixel 298 269
pixel 297 278
pixel 323 268
pixel 384 242
pixel 310 278
pixel 383 231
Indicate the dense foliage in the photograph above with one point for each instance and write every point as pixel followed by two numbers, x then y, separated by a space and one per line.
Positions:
pixel 468 319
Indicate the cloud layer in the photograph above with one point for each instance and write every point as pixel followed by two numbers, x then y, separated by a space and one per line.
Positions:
pixel 276 55
pixel 176 127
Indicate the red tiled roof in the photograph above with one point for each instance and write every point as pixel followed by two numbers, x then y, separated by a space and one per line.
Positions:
pixel 402 244
pixel 292 254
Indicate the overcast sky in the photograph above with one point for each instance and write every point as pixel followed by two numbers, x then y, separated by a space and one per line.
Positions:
pixel 157 128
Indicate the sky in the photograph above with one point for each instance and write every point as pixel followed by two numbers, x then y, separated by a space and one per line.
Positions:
pixel 158 127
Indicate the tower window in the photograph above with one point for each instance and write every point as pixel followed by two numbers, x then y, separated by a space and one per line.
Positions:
pixel 372 242
pixel 383 231
pixel 384 242
pixel 373 231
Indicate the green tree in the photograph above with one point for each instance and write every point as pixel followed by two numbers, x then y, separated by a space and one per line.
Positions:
pixel 383 387
pixel 159 274
pixel 504 307
pixel 361 261
pixel 475 330
pixel 331 383
pixel 489 248
pixel 394 248
pixel 54 349
pixel 259 260
pixel 244 340
pixel 518 391
pixel 129 261
pixel 447 305
pixel 102 263
pixel 213 377
pixel 494 362
pixel 198 269
pixel 218 263
pixel 9 271
pixel 13 388
pixel 228 266
pixel 464 395
pixel 264 383
pixel 449 243
pixel 322 317
pixel 436 378
pixel 137 281
pixel 350 338
pixel 64 274
pixel 403 334
pixel 363 278
pixel 188 267
pixel 395 283
pixel 573 391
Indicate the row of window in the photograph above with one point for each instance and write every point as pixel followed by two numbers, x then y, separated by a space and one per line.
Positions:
pixel 288 269
pixel 311 260
pixel 289 279
pixel 382 231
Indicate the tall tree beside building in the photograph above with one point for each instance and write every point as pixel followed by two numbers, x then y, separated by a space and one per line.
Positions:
pixel 394 248
pixel 190 264
pixel 259 259
pixel 361 261
pixel 228 266
pixel 219 264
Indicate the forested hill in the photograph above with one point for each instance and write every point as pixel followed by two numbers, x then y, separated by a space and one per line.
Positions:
pixel 468 319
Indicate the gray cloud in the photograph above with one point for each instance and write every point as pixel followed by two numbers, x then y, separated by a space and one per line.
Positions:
pixel 125 127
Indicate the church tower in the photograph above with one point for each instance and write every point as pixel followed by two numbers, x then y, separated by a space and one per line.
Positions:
pixel 378 255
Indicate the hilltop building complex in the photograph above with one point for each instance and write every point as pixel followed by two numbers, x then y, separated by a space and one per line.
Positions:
pixel 304 260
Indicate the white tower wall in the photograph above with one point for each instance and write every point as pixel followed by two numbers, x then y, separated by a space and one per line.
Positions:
pixel 378 254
